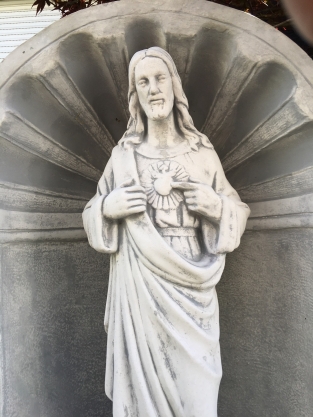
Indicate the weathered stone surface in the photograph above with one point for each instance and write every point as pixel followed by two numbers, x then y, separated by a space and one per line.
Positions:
pixel 53 302
pixel 266 343
pixel 63 107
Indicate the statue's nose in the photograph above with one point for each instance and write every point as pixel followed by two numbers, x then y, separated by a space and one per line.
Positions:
pixel 154 88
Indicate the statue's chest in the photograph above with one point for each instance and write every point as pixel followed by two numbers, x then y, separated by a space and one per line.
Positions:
pixel 158 175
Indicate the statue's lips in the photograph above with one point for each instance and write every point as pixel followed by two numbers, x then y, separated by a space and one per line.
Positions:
pixel 157 101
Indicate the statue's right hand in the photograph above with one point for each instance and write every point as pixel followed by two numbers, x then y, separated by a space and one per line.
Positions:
pixel 125 200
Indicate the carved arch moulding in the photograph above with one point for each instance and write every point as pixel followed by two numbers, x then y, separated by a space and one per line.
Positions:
pixel 63 107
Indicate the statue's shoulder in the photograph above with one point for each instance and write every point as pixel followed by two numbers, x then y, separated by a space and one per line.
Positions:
pixel 207 157
pixel 122 151
pixel 115 151
pixel 206 150
pixel 210 158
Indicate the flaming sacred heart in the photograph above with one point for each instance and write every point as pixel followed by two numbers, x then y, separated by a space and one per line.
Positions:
pixel 156 180
pixel 163 184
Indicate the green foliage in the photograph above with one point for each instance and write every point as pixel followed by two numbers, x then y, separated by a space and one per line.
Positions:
pixel 269 11
pixel 67 7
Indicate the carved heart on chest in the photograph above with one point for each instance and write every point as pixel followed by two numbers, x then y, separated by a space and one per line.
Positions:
pixel 157 179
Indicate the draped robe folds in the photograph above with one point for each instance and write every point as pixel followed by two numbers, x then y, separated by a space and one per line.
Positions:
pixel 162 317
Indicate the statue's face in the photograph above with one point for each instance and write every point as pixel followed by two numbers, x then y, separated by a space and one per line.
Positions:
pixel 154 88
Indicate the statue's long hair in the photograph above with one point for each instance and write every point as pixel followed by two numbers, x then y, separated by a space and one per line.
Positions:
pixel 137 122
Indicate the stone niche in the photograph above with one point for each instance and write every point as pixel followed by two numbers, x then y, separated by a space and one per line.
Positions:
pixel 63 107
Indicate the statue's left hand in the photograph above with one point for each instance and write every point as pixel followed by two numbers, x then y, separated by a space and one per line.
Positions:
pixel 201 198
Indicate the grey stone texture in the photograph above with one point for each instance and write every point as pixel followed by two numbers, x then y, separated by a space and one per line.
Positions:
pixel 53 343
pixel 266 315
pixel 63 106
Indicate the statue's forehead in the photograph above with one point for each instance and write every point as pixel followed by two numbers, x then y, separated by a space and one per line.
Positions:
pixel 149 66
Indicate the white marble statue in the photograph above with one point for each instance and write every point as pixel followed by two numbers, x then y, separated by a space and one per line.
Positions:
pixel 166 213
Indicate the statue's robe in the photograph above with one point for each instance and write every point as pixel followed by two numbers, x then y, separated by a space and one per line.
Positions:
pixel 162 318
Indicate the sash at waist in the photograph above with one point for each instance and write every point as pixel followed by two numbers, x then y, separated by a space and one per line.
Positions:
pixel 178 231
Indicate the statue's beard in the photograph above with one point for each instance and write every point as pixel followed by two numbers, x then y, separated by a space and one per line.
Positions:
pixel 158 110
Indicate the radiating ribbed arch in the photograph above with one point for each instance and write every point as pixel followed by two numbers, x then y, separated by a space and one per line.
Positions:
pixel 68 113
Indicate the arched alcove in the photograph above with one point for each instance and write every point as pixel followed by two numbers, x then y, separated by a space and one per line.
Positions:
pixel 63 107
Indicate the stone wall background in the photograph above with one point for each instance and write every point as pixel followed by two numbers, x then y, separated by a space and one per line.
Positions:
pixel 53 303
pixel 266 316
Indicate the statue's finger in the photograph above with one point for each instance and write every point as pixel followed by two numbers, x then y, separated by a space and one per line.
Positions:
pixel 137 202
pixel 194 180
pixel 184 185
pixel 190 201
pixel 136 209
pixel 192 207
pixel 131 201
pixel 134 196
pixel 189 194
pixel 135 188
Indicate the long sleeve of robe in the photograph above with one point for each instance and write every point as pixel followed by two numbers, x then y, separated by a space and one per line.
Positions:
pixel 162 319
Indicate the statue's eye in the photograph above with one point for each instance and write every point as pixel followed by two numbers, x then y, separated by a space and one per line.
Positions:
pixel 142 83
pixel 162 78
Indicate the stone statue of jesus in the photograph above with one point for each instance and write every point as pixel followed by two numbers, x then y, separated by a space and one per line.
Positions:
pixel 166 213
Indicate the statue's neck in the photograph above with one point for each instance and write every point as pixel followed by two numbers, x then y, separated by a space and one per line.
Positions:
pixel 162 134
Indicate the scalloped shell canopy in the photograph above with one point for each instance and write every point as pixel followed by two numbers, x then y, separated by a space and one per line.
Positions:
pixel 64 105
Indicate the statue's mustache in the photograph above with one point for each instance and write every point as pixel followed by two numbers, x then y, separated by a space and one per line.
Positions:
pixel 156 100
